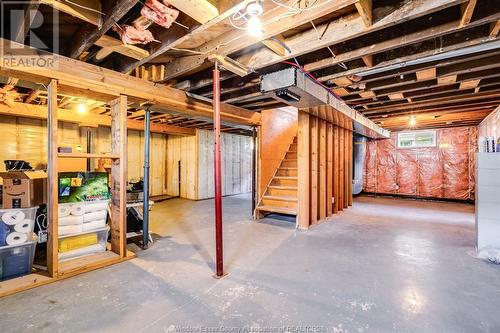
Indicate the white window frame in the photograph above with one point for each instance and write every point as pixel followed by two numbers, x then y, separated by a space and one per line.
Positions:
pixel 414 133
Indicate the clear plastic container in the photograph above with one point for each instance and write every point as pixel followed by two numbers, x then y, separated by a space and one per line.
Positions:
pixel 82 244
pixel 16 224
pixel 17 260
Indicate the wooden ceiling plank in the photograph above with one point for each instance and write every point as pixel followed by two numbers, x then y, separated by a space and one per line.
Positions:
pixel 364 8
pixel 446 80
pixel 469 84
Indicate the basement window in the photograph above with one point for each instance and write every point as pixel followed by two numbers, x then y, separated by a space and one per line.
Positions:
pixel 417 139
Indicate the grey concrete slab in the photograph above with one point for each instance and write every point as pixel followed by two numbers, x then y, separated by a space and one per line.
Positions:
pixel 384 265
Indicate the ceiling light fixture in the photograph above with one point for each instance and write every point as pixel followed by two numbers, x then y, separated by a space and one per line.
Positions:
pixel 413 121
pixel 254 25
pixel 81 108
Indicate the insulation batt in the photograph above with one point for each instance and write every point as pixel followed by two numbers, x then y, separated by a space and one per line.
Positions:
pixel 160 13
pixel 445 171
pixel 134 34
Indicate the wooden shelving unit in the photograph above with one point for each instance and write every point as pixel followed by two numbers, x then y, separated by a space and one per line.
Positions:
pixel 118 248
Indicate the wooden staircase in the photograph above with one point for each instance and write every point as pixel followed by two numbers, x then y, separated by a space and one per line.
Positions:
pixel 280 195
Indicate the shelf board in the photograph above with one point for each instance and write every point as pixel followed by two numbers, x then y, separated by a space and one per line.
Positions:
pixel 25 282
pixel 86 155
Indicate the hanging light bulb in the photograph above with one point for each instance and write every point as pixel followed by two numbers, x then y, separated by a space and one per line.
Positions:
pixel 81 107
pixel 413 121
pixel 254 25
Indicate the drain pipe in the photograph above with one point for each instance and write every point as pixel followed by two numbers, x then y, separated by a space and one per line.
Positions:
pixel 145 204
pixel 217 174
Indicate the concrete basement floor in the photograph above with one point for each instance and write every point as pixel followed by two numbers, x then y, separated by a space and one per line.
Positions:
pixel 384 265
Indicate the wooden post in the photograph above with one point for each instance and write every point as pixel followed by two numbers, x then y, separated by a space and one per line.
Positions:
pixel 322 170
pixel 341 168
pixel 52 171
pixel 336 169
pixel 314 169
pixel 329 169
pixel 119 175
pixel 303 158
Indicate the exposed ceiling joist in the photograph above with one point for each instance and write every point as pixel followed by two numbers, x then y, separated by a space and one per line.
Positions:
pixel 467 12
pixel 200 10
pixel 364 8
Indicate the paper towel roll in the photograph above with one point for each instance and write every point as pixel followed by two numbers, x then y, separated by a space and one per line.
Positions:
pixel 70 220
pixel 13 217
pixel 64 210
pixel 25 226
pixel 99 215
pixel 16 238
pixel 70 229
pixel 77 209
pixel 94 225
pixel 96 206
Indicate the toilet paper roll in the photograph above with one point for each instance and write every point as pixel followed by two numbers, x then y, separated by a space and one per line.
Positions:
pixel 13 217
pixel 64 210
pixel 69 229
pixel 99 215
pixel 16 238
pixel 94 225
pixel 70 220
pixel 96 206
pixel 24 226
pixel 77 209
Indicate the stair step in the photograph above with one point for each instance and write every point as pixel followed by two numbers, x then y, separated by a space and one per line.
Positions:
pixel 280 210
pixel 285 177
pixel 277 187
pixel 280 198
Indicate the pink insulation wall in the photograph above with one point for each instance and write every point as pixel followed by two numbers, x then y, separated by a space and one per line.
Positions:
pixel 445 171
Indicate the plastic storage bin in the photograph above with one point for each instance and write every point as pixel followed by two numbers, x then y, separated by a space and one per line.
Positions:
pixel 16 225
pixel 17 260
pixel 82 244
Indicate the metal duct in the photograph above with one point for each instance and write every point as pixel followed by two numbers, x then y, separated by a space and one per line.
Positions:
pixel 295 88
pixel 359 163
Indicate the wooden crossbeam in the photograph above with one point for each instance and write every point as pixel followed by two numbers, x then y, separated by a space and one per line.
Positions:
pixel 494 29
pixel 467 12
pixel 276 44
pixel 364 8
pixel 201 10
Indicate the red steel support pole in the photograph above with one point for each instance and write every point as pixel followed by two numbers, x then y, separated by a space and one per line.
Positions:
pixel 217 174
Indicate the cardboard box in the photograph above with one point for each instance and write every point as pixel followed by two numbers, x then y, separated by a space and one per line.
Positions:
pixel 24 189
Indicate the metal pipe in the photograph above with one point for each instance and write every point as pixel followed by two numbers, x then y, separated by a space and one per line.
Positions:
pixel 217 174
pixel 254 169
pixel 145 206
pixel 89 148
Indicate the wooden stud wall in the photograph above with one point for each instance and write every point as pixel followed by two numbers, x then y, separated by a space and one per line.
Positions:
pixel 324 167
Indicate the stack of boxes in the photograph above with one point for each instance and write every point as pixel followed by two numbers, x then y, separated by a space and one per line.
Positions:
pixel 22 192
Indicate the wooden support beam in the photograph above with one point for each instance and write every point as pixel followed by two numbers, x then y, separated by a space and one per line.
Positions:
pixel 364 8
pixel 469 84
pixel 77 9
pixel 110 45
pixel 32 96
pixel 303 168
pixel 40 112
pixel 446 80
pixel 30 10
pixel 336 169
pixel 322 177
pixel 314 169
pixel 367 94
pixel 52 182
pixel 395 97
pixel 85 37
pixel 467 12
pixel 329 169
pixel 200 10
pixel 81 79
pixel 119 175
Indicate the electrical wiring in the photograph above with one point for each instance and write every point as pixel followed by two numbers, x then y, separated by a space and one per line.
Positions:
pixel 84 7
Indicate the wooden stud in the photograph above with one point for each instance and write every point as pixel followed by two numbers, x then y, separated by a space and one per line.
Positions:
pixel 467 11
pixel 329 169
pixel 303 165
pixel 314 169
pixel 350 163
pixel 341 168
pixel 119 175
pixel 52 182
pixel 322 169
pixel 364 8
pixel 336 169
